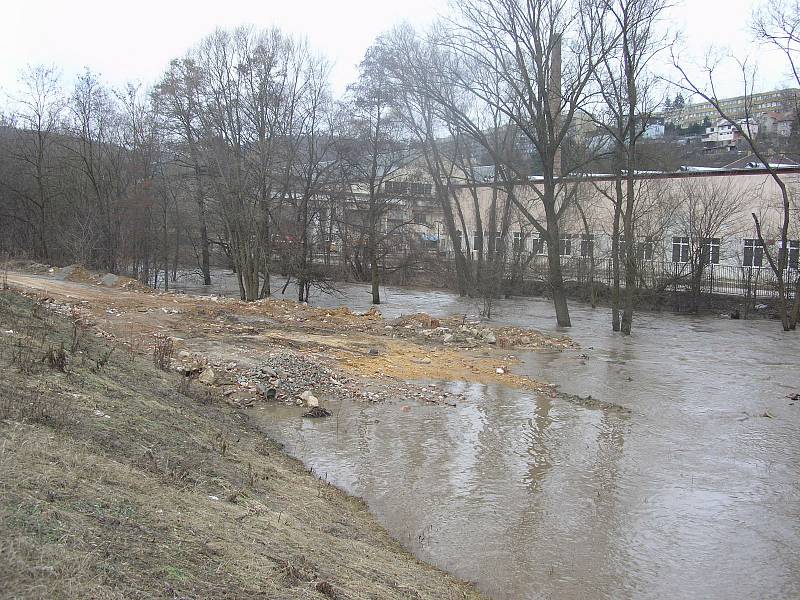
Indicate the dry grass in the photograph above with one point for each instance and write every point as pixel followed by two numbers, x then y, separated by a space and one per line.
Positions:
pixel 115 483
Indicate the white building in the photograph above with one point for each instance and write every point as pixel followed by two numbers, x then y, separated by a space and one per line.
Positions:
pixel 724 135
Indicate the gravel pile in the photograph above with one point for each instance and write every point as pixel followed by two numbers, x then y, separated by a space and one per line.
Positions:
pixel 292 374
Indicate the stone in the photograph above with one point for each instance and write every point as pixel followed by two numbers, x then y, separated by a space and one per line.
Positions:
pixel 490 338
pixel 208 376
pixel 268 372
pixel 309 398
pixel 448 338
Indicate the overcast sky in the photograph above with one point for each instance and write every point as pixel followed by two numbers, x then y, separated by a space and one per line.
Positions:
pixel 133 41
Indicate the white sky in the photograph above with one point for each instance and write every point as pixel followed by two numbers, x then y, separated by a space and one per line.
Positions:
pixel 134 40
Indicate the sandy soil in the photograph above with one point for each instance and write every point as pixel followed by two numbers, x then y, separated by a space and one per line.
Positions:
pixel 223 330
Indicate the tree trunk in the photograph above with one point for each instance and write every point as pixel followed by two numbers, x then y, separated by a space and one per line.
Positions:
pixel 615 321
pixel 373 265
pixel 205 255
pixel 630 261
pixel 556 278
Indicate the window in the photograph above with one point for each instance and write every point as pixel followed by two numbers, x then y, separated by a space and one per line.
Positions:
pixel 457 241
pixel 495 241
pixel 565 245
pixel 477 240
pixel 709 251
pixel 680 249
pixel 587 245
pixel 517 243
pixel 539 245
pixel 420 218
pixel 794 253
pixel 644 250
pixel 753 253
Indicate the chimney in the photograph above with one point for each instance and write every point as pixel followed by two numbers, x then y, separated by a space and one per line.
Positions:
pixel 555 97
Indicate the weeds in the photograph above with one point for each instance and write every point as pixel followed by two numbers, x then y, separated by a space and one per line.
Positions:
pixel 78 328
pixel 250 476
pixel 34 407
pixel 162 352
pixel 184 385
pixel 102 360
pixel 56 358
pixel 22 356
pixel 222 443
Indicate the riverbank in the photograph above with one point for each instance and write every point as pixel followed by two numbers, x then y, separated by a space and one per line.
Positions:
pixel 122 480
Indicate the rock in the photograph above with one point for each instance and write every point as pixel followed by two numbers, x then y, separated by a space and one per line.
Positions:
pixel 448 338
pixel 190 370
pixel 500 370
pixel 109 280
pixel 490 338
pixel 207 376
pixel 309 398
pixel 317 412
pixel 422 361
pixel 373 352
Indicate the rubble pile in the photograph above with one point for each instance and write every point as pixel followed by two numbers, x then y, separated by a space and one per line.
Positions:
pixel 457 331
pixel 301 380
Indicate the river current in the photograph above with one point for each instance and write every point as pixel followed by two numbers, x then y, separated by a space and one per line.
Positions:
pixel 694 494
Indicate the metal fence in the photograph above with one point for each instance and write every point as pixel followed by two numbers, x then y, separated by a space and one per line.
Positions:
pixel 752 282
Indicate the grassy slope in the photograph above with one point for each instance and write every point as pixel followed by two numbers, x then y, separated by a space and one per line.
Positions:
pixel 121 507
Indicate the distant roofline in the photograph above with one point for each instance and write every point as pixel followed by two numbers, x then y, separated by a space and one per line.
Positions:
pixel 687 172
pixel 706 103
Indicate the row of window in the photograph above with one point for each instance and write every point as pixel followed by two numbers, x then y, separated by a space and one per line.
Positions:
pixel 494 242
pixel 408 188
pixel 752 256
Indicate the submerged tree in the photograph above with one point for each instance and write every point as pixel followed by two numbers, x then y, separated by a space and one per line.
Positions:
pixel 629 28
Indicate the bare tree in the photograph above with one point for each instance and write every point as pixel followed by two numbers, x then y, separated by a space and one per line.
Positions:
pixel 776 24
pixel 626 87
pixel 707 214
pixel 378 154
pixel 505 59
pixel 178 94
pixel 33 179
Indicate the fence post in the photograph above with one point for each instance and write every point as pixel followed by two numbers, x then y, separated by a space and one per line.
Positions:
pixel 711 283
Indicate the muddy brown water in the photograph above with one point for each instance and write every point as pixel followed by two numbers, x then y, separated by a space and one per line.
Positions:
pixel 695 494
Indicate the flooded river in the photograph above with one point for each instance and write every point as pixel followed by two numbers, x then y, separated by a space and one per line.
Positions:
pixel 695 494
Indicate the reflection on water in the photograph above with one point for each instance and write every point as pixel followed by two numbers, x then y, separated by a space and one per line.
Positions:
pixel 695 494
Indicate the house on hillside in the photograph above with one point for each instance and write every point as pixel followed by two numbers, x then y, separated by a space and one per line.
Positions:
pixel 777 123
pixel 725 136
